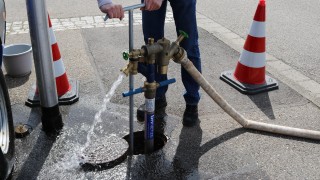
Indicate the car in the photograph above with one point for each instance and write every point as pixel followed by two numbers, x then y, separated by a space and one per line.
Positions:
pixel 6 120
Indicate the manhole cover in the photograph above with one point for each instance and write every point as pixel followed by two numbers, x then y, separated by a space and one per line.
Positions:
pixel 104 154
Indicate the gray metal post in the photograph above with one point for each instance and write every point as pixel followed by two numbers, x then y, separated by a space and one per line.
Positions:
pixel 131 81
pixel 39 34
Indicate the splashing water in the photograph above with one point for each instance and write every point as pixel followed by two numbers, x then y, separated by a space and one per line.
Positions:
pixel 70 160
pixel 97 117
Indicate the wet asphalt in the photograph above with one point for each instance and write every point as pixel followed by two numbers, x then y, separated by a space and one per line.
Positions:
pixel 216 148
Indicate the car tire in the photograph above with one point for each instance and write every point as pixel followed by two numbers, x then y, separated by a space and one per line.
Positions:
pixel 6 131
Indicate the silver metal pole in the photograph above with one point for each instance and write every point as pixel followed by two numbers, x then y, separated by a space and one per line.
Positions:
pixel 131 81
pixel 39 34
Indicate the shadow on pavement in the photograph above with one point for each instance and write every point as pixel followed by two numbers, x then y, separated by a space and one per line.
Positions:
pixel 16 82
pixel 263 103
pixel 189 151
pixel 37 157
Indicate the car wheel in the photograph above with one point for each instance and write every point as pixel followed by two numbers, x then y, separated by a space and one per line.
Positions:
pixel 6 131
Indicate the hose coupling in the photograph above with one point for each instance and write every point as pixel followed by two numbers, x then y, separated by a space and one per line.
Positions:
pixel 150 90
pixel 179 55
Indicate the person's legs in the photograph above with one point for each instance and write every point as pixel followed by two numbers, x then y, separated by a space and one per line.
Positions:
pixel 184 12
pixel 153 27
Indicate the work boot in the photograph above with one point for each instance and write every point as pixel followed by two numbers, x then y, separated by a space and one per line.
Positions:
pixel 159 112
pixel 190 116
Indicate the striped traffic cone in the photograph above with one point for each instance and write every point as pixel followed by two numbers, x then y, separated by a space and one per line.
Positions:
pixel 60 74
pixel 249 76
pixel 67 90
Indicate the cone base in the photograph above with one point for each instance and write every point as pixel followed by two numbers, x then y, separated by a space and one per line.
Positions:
pixel 249 89
pixel 69 98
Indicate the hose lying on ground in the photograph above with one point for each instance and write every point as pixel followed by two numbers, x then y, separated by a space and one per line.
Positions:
pixel 246 123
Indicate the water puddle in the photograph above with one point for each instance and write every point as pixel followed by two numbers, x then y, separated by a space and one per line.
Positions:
pixel 73 155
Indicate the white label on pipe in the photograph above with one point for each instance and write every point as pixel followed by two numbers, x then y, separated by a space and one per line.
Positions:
pixel 150 105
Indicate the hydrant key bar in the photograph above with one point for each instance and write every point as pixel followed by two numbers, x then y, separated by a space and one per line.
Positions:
pixel 142 89
pixel 130 93
pixel 167 82
pixel 128 8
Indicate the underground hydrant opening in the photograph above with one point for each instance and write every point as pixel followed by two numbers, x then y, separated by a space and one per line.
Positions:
pixel 138 142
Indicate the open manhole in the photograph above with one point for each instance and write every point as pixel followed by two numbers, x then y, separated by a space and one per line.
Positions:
pixel 105 154
pixel 138 142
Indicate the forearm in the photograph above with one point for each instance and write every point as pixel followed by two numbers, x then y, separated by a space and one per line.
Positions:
pixel 103 2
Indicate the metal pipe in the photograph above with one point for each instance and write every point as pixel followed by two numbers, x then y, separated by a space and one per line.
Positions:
pixel 246 123
pixel 131 83
pixel 149 111
pixel 128 8
pixel 39 34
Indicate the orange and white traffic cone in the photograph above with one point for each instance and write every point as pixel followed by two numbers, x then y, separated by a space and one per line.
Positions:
pixel 60 74
pixel 249 76
pixel 67 90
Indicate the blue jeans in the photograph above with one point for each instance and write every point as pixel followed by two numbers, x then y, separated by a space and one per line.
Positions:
pixel 184 13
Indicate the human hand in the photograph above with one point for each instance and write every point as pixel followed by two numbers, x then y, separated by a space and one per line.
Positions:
pixel 113 10
pixel 152 5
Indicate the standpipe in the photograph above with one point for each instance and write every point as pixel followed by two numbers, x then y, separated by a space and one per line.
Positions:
pixel 153 54
pixel 131 69
pixel 181 58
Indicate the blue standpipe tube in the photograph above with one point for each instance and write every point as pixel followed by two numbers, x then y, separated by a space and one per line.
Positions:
pixel 149 114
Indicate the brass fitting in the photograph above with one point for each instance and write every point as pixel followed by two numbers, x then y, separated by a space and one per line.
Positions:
pixel 179 55
pixel 136 53
pixel 134 69
pixel 151 88
pixel 173 49
pixel 150 41
pixel 151 58
pixel 131 68
pixel 151 49
pixel 163 57
pixel 126 70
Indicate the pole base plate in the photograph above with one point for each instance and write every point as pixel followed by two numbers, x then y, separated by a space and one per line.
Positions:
pixel 68 98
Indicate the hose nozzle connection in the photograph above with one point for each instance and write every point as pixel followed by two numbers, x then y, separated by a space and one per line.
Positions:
pixel 126 70
pixel 132 66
